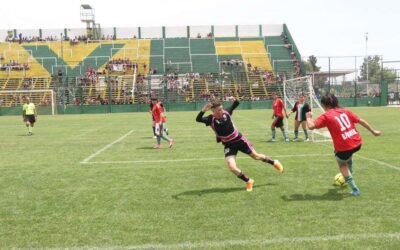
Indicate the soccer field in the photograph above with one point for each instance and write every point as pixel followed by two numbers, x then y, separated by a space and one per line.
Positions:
pixel 95 181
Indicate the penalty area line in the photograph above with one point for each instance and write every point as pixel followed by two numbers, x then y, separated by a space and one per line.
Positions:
pixel 87 159
pixel 194 159
pixel 378 162
pixel 373 160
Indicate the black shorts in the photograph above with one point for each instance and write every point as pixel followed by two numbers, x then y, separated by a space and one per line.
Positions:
pixel 31 119
pixel 278 122
pixel 345 155
pixel 242 145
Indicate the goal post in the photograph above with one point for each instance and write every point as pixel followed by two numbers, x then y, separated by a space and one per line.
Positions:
pixel 292 89
pixel 41 98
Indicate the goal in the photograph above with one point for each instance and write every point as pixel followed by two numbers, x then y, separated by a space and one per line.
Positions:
pixel 41 98
pixel 292 89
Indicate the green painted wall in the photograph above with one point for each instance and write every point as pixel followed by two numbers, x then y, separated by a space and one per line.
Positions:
pixel 192 106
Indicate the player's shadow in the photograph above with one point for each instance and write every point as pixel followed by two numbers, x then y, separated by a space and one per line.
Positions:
pixel 24 135
pixel 202 192
pixel 332 195
pixel 146 148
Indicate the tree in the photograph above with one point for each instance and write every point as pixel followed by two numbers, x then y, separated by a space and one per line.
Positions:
pixel 375 70
pixel 311 64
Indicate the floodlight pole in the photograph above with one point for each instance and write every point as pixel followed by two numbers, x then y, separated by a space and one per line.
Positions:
pixel 366 55
pixel 62 49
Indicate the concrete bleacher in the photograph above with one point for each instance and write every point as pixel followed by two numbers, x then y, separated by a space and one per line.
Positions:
pixel 157 55
pixel 94 57
pixel 280 56
pixel 165 55
pixel 16 52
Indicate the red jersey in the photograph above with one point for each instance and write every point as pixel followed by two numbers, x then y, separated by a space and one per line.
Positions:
pixel 163 119
pixel 340 123
pixel 278 106
pixel 156 112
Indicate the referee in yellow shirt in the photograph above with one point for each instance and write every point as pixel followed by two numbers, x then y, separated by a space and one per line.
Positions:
pixel 29 114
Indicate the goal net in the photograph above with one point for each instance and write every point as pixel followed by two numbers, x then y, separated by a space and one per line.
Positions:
pixel 292 89
pixel 41 98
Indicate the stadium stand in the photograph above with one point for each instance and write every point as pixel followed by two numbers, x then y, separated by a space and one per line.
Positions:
pixel 124 71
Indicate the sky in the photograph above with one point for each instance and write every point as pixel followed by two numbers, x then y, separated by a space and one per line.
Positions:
pixel 321 28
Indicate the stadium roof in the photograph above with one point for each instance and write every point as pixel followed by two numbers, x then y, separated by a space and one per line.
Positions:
pixel 332 73
pixel 86 6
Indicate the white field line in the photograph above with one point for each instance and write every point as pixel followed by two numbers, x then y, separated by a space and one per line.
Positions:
pixel 195 159
pixel 260 242
pixel 378 162
pixel 106 147
pixel 373 160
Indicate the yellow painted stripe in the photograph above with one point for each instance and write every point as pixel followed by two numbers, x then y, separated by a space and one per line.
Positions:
pixel 251 51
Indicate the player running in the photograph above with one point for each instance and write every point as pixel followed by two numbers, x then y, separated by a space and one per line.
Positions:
pixel 158 115
pixel 300 108
pixel 279 108
pixel 346 139
pixel 153 124
pixel 164 120
pixel 221 122
pixel 29 114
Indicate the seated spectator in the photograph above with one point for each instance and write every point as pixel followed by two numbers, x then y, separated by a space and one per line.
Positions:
pixel 249 67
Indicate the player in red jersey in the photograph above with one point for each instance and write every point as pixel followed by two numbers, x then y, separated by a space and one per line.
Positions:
pixel 346 138
pixel 159 117
pixel 164 119
pixel 278 116
pixel 153 125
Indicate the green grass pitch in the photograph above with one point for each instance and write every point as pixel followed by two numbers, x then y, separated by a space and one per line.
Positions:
pixel 128 195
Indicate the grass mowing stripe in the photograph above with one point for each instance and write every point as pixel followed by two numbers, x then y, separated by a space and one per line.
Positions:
pixel 227 243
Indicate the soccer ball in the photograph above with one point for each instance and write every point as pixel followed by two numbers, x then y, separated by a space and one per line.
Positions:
pixel 339 180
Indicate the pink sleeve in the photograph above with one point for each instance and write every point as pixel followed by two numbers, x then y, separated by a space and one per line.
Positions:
pixel 320 122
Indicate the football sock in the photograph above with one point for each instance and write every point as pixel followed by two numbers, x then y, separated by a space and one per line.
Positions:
pixel 158 139
pixel 243 177
pixel 273 133
pixel 283 133
pixel 349 179
pixel 296 133
pixel 305 133
pixel 350 165
pixel 154 131
pixel 164 137
pixel 30 129
pixel 268 160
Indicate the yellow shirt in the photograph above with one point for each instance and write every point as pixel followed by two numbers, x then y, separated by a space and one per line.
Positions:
pixel 29 109
pixel 24 107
